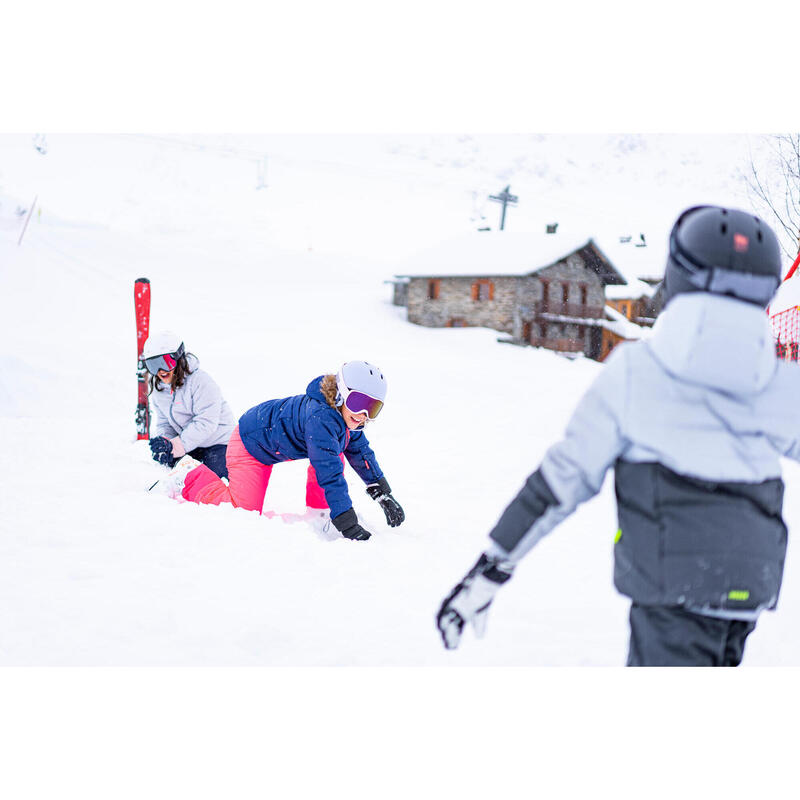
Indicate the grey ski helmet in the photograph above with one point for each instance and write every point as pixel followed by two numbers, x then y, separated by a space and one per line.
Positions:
pixel 361 387
pixel 722 251
pixel 162 351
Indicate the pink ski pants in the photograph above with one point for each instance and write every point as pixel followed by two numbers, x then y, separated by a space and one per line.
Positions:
pixel 248 479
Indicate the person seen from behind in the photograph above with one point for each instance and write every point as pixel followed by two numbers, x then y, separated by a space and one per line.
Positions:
pixel 693 421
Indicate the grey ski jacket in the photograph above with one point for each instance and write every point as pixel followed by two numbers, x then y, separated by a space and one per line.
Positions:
pixel 197 412
pixel 694 421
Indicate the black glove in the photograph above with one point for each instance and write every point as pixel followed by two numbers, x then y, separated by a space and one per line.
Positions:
pixel 381 492
pixel 347 525
pixel 161 448
pixel 470 600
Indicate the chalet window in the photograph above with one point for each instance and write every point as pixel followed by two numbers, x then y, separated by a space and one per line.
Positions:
pixel 433 289
pixel 545 294
pixel 543 330
pixel 526 331
pixel 584 294
pixel 564 292
pixel 457 322
pixel 483 290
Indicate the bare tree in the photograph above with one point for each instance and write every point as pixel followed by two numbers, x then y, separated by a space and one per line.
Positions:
pixel 775 186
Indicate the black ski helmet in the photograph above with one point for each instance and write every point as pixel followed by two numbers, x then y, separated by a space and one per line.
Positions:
pixel 722 251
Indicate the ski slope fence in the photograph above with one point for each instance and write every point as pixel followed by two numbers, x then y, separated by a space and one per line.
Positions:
pixel 786 330
pixel 786 325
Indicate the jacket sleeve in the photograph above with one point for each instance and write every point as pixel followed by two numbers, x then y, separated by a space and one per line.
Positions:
pixel 163 428
pixel 206 413
pixel 361 458
pixel 322 441
pixel 572 470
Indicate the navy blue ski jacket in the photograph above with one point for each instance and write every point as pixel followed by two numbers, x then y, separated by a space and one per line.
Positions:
pixel 305 426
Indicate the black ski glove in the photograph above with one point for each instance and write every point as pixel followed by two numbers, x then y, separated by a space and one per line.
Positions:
pixel 381 492
pixel 347 525
pixel 470 600
pixel 161 447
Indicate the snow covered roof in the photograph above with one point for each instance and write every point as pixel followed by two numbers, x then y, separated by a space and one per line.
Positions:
pixel 622 326
pixel 515 253
pixel 634 257
pixel 634 289
pixel 493 253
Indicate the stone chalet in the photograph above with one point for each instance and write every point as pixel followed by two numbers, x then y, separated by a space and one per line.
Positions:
pixel 547 290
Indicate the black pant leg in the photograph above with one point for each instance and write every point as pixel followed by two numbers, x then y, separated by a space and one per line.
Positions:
pixel 213 457
pixel 671 636
pixel 734 647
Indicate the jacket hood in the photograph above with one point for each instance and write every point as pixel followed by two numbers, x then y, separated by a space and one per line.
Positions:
pixel 314 391
pixel 716 342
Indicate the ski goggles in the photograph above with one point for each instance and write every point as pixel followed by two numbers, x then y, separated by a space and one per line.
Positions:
pixel 166 362
pixel 718 280
pixel 360 403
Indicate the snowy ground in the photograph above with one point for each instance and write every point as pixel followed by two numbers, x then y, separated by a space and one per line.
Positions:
pixel 94 571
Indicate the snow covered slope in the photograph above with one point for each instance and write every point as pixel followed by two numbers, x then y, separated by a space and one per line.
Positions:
pixel 269 288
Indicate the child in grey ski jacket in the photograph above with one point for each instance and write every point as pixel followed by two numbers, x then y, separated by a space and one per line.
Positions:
pixel 693 421
pixel 193 416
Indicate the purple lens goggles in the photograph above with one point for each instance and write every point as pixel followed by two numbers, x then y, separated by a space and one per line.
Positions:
pixel 359 403
pixel 167 362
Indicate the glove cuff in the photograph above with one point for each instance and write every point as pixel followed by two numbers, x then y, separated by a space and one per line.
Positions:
pixel 379 488
pixel 491 569
pixel 345 520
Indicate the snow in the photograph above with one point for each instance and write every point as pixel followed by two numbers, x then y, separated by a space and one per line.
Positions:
pixel 632 290
pixel 270 287
pixel 522 252
pixel 622 326
pixel 494 253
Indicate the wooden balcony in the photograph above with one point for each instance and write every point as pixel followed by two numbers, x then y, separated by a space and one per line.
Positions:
pixel 574 310
pixel 559 345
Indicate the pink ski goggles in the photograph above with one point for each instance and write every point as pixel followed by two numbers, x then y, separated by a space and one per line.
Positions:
pixel 360 403
pixel 166 362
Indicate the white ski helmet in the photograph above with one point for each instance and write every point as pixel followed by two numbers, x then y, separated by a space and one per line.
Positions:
pixel 361 387
pixel 162 351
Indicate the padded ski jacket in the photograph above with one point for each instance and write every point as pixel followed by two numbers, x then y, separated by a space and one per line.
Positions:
pixel 197 411
pixel 305 426
pixel 694 420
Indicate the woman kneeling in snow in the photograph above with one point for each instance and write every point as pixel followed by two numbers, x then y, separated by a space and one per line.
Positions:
pixel 323 425
pixel 193 416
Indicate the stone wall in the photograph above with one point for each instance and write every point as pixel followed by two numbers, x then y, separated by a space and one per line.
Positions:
pixel 516 305
pixel 400 293
pixel 530 298
pixel 455 304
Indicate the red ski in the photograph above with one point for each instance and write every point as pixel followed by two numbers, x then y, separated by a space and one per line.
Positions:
pixel 141 300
